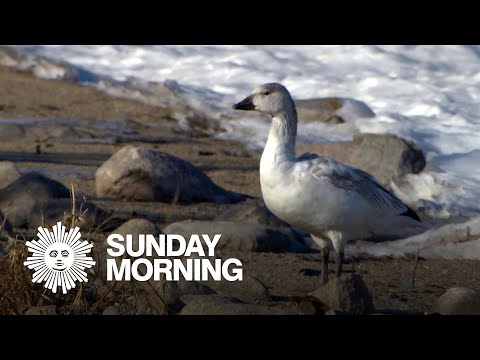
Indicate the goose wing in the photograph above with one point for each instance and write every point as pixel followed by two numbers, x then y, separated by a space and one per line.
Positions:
pixel 349 178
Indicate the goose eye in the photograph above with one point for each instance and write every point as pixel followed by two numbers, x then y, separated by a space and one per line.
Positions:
pixel 266 93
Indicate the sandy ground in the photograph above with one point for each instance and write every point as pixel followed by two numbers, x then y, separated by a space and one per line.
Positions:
pixel 229 164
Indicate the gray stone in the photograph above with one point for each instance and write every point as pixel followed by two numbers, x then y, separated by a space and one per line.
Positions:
pixel 348 293
pixel 331 110
pixel 111 310
pixel 133 227
pixel 18 199
pixel 49 212
pixel 335 312
pixel 307 305
pixel 42 310
pixel 136 227
pixel 173 291
pixel 459 301
pixel 386 157
pixel 166 297
pixel 240 236
pixel 250 289
pixel 8 173
pixel 139 174
pixel 6 229
pixel 252 211
pixel 216 305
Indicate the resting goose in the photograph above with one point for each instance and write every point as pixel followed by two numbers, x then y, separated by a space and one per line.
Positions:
pixel 333 202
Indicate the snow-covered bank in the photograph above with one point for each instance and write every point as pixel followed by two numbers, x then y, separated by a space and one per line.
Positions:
pixel 427 94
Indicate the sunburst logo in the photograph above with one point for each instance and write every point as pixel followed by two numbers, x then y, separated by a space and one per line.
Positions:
pixel 59 258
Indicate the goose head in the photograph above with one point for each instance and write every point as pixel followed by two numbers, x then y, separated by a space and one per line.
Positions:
pixel 271 99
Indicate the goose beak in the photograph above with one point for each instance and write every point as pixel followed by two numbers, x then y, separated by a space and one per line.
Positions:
pixel 245 104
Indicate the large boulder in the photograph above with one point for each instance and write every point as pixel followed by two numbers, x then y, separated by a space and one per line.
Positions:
pixel 241 236
pixel 384 156
pixel 459 301
pixel 139 174
pixel 18 200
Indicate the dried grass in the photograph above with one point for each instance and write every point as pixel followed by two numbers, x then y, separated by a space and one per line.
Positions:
pixel 18 294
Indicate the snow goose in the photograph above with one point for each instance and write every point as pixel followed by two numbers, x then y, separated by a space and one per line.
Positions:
pixel 333 202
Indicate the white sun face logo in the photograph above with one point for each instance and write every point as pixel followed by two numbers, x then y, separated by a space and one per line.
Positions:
pixel 59 258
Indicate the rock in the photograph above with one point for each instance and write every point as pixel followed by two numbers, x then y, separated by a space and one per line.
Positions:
pixel 8 173
pixel 347 293
pixel 332 110
pixel 386 157
pixel 133 227
pixel 240 236
pixel 136 227
pixel 215 305
pixel 307 305
pixel 335 312
pixel 52 211
pixel 249 290
pixel 459 301
pixel 42 310
pixel 177 290
pixel 167 298
pixel 18 199
pixel 111 310
pixel 252 211
pixel 139 174
pixel 6 229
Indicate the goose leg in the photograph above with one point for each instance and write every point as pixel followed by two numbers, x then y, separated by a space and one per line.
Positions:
pixel 338 263
pixel 338 241
pixel 325 256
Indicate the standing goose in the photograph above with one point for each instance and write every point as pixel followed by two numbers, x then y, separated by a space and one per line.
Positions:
pixel 333 202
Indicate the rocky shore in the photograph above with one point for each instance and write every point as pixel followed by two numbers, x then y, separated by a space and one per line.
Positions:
pixel 139 167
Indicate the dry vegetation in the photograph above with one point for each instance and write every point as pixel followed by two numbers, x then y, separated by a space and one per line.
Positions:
pixel 19 295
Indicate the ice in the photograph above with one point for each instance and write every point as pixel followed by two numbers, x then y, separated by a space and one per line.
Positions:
pixel 427 94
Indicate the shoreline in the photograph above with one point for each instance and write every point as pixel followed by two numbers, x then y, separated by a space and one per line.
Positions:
pixel 58 153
